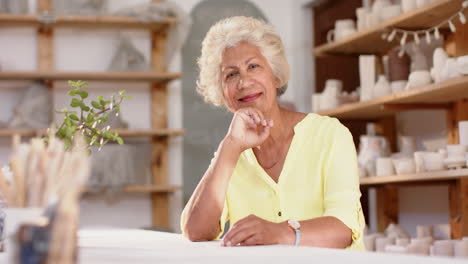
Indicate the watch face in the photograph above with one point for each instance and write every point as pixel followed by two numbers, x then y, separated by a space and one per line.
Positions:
pixel 294 223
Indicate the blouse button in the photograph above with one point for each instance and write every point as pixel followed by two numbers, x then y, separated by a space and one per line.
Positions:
pixel 279 213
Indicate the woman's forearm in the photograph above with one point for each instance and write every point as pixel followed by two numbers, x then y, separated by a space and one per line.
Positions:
pixel 204 209
pixel 325 231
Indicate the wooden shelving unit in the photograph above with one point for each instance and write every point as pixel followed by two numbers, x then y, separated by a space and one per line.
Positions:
pixel 450 95
pixel 370 41
pixel 158 77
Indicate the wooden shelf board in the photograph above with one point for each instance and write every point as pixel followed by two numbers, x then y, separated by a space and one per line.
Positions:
pixel 149 132
pixel 152 188
pixel 21 132
pixel 122 132
pixel 433 176
pixel 443 92
pixel 9 20
pixel 370 41
pixel 91 76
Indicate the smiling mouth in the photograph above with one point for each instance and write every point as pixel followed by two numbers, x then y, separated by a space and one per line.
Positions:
pixel 250 98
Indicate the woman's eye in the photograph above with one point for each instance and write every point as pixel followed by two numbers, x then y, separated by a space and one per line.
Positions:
pixel 253 66
pixel 230 75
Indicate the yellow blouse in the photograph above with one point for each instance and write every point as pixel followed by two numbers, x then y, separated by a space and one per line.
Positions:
pixel 319 178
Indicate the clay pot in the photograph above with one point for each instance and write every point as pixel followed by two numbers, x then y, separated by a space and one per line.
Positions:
pixel 399 67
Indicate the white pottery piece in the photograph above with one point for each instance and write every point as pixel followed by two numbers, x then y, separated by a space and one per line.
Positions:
pixel 404 166
pixel 424 231
pixel 419 79
pixel 398 86
pixel 462 63
pixel 460 248
pixel 408 5
pixel 390 11
pixel 463 132
pixel 433 161
pixel 384 167
pixel 443 248
pixel 382 87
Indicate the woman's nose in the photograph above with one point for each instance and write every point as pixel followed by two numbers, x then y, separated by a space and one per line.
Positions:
pixel 244 82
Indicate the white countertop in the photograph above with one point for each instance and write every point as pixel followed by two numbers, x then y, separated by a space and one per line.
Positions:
pixel 100 246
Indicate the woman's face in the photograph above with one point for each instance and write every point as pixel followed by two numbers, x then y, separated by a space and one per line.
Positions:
pixel 247 79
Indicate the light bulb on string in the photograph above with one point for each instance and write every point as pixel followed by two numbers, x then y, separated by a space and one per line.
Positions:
pixel 462 18
pixel 428 37
pixel 465 4
pixel 401 52
pixel 392 36
pixel 436 33
pixel 403 39
pixel 452 26
pixel 416 38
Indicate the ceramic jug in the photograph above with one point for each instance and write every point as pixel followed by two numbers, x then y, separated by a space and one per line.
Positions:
pixel 371 148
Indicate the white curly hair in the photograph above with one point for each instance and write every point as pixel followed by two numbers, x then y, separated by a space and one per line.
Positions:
pixel 228 33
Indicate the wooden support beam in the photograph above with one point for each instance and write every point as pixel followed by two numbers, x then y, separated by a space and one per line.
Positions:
pixel 459 112
pixel 386 126
pixel 387 206
pixel 458 198
pixel 160 147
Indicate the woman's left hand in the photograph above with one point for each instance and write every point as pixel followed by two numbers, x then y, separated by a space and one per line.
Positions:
pixel 253 230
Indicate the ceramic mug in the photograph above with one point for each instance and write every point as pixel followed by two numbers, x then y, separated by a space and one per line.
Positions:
pixel 408 5
pixel 421 3
pixel 433 161
pixel 343 28
pixel 419 161
pixel 384 167
pixel 361 14
pixel 390 12
pixel 424 231
pixel 403 242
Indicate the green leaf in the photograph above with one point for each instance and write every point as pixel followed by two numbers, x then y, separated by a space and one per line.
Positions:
pixel 84 107
pixel 128 97
pixel 100 98
pixel 96 105
pixel 120 141
pixel 121 92
pixel 76 102
pixel 74 117
pixel 90 117
pixel 83 94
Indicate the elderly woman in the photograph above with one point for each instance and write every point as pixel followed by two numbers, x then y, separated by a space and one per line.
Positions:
pixel 278 176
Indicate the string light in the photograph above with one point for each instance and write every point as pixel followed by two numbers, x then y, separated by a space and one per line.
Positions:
pixel 428 37
pixel 391 36
pixel 403 39
pixel 427 32
pixel 416 38
pixel 462 18
pixel 452 26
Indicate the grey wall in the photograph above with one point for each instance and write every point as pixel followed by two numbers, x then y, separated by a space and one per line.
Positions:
pixel 205 125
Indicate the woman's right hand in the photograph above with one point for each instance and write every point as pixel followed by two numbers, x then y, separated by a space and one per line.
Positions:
pixel 248 128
